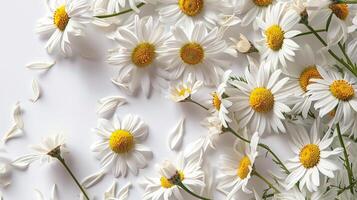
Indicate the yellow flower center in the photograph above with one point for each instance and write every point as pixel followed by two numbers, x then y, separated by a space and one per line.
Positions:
pixel 262 3
pixel 143 54
pixel 243 168
pixel 192 53
pixel 306 75
pixel 310 155
pixel 61 18
pixel 121 141
pixel 341 10
pixel 261 100
pixel 216 102
pixel 275 37
pixel 166 183
pixel 183 91
pixel 191 7
pixel 342 90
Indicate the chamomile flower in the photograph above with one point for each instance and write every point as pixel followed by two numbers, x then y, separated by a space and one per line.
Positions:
pixel 187 11
pixel 214 128
pixel 334 91
pixel 183 90
pixel 195 50
pixel 66 19
pixel 186 167
pixel 120 146
pixel 313 156
pixel 235 170
pixel 137 53
pixel 259 103
pixel 277 28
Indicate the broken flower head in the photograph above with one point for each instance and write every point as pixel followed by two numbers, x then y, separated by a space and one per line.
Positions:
pixel 183 90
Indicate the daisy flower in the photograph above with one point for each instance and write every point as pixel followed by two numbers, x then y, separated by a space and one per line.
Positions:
pixel 183 90
pixel 313 156
pixel 138 51
pixel 186 167
pixel 195 50
pixel 66 19
pixel 259 103
pixel 300 76
pixel 236 169
pixel 215 128
pixel 120 146
pixel 334 91
pixel 188 11
pixel 278 30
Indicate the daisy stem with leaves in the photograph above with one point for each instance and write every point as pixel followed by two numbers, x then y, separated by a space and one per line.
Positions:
pixel 255 173
pixel 181 185
pixel 119 13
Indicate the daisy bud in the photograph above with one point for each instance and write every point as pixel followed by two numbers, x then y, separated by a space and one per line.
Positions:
pixel 244 45
pixel 167 169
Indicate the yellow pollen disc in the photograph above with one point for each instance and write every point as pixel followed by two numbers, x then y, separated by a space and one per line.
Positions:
pixel 261 100
pixel 165 183
pixel 191 7
pixel 309 73
pixel 275 37
pixel 216 102
pixel 310 155
pixel 243 168
pixel 262 3
pixel 341 10
pixel 61 18
pixel 342 90
pixel 192 53
pixel 183 91
pixel 121 141
pixel 143 54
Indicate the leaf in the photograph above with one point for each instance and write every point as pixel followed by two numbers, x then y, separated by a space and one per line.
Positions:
pixel 13 132
pixel 93 179
pixel 17 116
pixel 40 65
pixel 176 135
pixel 109 104
pixel 36 91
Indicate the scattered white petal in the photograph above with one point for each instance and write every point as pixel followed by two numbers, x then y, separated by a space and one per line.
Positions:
pixel 17 116
pixel 123 194
pixel 41 65
pixel 109 104
pixel 36 91
pixel 54 195
pixel 24 161
pixel 13 132
pixel 176 136
pixel 93 179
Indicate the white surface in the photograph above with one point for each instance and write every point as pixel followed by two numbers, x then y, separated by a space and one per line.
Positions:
pixel 70 91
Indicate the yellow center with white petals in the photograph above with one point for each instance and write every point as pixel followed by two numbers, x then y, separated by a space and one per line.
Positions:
pixel 310 156
pixel 261 100
pixel 183 91
pixel 216 101
pixel 342 90
pixel 308 74
pixel 341 10
pixel 121 141
pixel 262 3
pixel 191 7
pixel 243 168
pixel 274 37
pixel 192 53
pixel 143 54
pixel 166 183
pixel 61 18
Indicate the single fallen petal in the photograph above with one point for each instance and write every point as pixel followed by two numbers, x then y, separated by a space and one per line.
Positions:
pixel 176 136
pixel 13 132
pixel 24 161
pixel 124 192
pixel 17 116
pixel 54 195
pixel 93 179
pixel 41 65
pixel 36 91
pixel 109 104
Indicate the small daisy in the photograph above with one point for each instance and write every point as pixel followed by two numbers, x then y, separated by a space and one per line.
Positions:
pixel 54 195
pixel 187 167
pixel 66 19
pixel 235 170
pixel 278 30
pixel 195 50
pixel 183 90
pixel 313 156
pixel 259 103
pixel 120 147
pixel 215 129
pixel 138 51
pixel 334 91
pixel 188 11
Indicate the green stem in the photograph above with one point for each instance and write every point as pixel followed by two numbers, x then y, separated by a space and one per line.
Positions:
pixel 195 102
pixel 119 13
pixel 347 161
pixel 181 185
pixel 348 2
pixel 254 172
pixel 309 32
pixel 342 190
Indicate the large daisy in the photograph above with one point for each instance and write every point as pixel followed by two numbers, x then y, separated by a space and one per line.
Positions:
pixel 120 146
pixel 278 30
pixel 313 156
pixel 195 50
pixel 66 19
pixel 259 103
pixel 236 169
pixel 137 54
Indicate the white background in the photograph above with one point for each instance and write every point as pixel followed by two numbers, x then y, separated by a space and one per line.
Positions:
pixel 70 91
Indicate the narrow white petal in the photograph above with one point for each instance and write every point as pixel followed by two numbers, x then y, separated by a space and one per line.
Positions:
pixel 13 132
pixel 17 116
pixel 41 65
pixel 24 161
pixel 176 136
pixel 54 195
pixel 36 91
pixel 110 104
pixel 93 179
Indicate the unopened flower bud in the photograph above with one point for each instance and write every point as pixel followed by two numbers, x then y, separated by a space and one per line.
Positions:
pixel 243 45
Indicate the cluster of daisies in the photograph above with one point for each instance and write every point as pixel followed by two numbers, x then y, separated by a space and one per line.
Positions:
pixel 305 93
